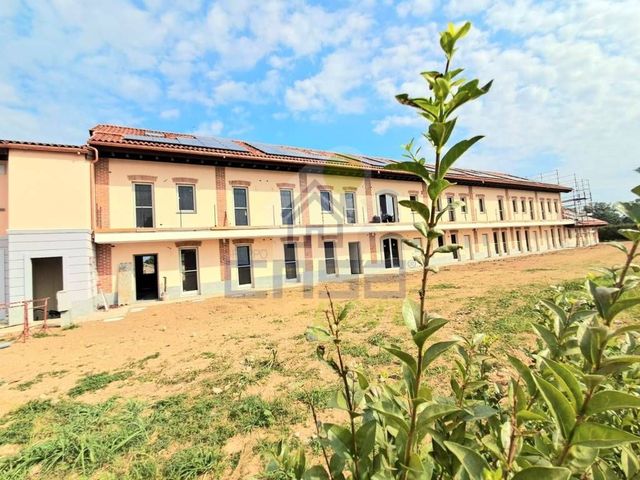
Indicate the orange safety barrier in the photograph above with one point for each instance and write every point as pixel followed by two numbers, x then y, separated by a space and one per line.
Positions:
pixel 36 305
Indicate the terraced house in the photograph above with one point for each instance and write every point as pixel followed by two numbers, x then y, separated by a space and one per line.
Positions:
pixel 143 215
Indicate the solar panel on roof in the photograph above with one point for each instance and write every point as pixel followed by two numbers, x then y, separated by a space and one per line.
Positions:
pixel 221 143
pixel 191 142
pixel 152 139
pixel 291 152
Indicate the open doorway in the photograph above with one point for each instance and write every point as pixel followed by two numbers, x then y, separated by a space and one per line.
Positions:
pixel 146 277
pixel 46 275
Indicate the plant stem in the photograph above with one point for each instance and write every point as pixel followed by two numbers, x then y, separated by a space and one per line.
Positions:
pixel 627 264
pixel 324 450
pixel 343 375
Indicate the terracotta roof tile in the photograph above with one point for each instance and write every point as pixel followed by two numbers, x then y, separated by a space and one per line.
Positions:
pixel 113 135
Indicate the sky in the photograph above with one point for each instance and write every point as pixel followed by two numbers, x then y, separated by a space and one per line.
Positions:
pixel 566 92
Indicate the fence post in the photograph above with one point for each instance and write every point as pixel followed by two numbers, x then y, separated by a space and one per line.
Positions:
pixel 25 325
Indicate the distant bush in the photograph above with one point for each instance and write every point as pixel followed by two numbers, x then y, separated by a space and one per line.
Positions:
pixel 610 233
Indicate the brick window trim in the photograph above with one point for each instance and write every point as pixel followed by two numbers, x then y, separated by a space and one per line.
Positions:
pixel 237 241
pixel 289 239
pixel 414 192
pixel 289 186
pixel 326 188
pixel 239 183
pixel 187 180
pixel 350 189
pixel 189 243
pixel 142 178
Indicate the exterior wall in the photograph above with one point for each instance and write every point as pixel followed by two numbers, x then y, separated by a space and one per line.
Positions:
pixel 4 198
pixel 78 267
pixel 48 190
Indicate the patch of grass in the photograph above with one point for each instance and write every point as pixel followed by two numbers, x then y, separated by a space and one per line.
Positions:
pixel 20 422
pixel 191 463
pixel 71 326
pixel 143 361
pixel 97 381
pixel 253 412
pixel 443 286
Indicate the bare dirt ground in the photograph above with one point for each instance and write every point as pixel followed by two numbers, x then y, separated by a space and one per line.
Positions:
pixel 179 341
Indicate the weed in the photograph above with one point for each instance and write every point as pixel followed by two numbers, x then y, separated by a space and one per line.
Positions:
pixel 71 326
pixel 442 286
pixel 97 381
pixel 191 463
pixel 253 412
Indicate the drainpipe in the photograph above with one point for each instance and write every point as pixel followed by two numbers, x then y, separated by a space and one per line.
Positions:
pixel 92 181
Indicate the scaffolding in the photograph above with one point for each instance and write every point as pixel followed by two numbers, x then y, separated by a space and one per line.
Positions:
pixel 577 205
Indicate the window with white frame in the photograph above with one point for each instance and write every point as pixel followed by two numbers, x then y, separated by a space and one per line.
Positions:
pixel 463 205
pixel 481 205
pixel 350 207
pixel 514 204
pixel 240 206
pixel 330 257
pixel 143 193
pixel 186 198
pixel 286 206
pixel 452 210
pixel 523 205
pixel 326 202
pixel 388 209
pixel 413 198
pixel 290 264
pixel 243 256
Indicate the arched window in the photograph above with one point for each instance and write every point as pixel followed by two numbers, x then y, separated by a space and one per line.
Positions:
pixel 388 207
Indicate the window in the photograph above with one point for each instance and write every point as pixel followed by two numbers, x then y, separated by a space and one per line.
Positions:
pixel 463 204
pixel 500 209
pixel 243 254
pixel 286 206
pixel 325 201
pixel 544 215
pixel 518 241
pixel 496 243
pixel 514 203
pixel 531 210
pixel 523 205
pixel 452 211
pixel 330 258
pixel 186 199
pixel 526 240
pixel 189 269
pixel 413 198
pixel 441 240
pixel 549 206
pixel 391 253
pixel 555 206
pixel 387 204
pixel 481 204
pixel 350 207
pixel 504 242
pixel 241 206
pixel 454 241
pixel 144 205
pixel 290 265
pixel 355 260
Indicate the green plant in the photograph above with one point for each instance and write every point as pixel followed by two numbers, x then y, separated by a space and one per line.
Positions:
pixel 191 463
pixel 571 410
pixel 97 381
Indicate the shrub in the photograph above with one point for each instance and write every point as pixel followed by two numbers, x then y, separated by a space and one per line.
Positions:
pixel 611 232
pixel 569 410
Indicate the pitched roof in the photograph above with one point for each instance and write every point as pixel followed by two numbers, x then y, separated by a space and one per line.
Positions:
pixel 25 145
pixel 190 144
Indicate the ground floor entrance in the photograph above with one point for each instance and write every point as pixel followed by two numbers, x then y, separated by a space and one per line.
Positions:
pixel 146 277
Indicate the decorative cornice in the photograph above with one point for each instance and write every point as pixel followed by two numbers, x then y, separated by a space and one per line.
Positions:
pixel 189 243
pixel 325 187
pixel 286 185
pixel 239 183
pixel 184 180
pixel 142 178
pixel 242 240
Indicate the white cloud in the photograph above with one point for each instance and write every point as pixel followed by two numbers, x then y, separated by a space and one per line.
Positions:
pixel 415 7
pixel 170 114
pixel 214 127
pixel 391 121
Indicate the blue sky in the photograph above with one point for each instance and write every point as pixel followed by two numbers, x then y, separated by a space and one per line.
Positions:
pixel 566 92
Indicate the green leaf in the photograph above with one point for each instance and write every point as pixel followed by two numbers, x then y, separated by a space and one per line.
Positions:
pixel 563 412
pixel 452 247
pixel 622 305
pixel 436 187
pixel 617 364
pixel 407 359
pixel 566 377
pixel 339 438
pixel 471 461
pixel 317 334
pixel 411 314
pixel 432 326
pixel 630 234
pixel 546 335
pixel 435 350
pixel 543 473
pixel 603 297
pixel 454 153
pixel 525 373
pixel 417 207
pixel 410 167
pixel 345 311
pixel 315 473
pixel 630 209
pixel 611 400
pixel 366 438
pixel 601 436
